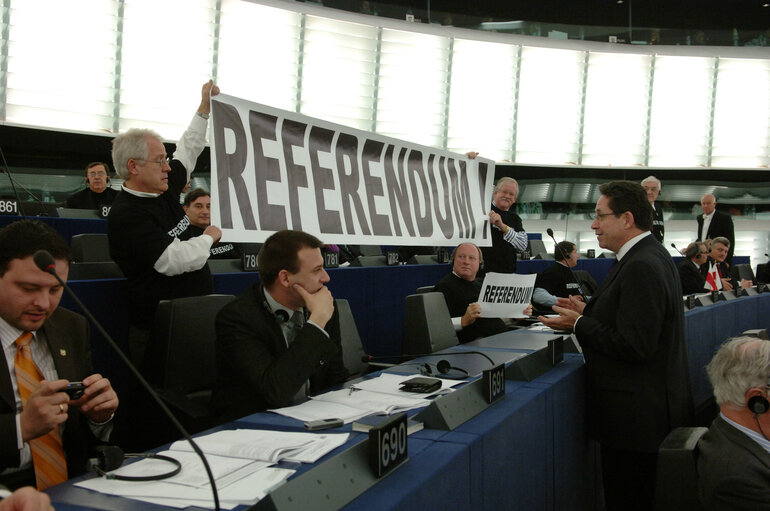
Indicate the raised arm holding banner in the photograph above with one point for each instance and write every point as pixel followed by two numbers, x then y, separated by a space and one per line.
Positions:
pixel 273 169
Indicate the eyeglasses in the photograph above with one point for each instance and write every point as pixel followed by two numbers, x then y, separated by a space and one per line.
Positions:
pixel 165 160
pixel 599 216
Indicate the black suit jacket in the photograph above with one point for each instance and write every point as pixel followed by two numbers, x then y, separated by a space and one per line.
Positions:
pixel 68 337
pixel 691 277
pixel 255 369
pixel 721 225
pixel 632 335
pixel 733 470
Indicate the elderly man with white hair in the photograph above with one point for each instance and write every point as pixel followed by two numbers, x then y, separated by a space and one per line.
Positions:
pixel 734 455
pixel 652 186
pixel 147 224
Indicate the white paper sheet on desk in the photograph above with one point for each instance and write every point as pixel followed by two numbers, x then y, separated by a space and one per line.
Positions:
pixel 375 402
pixel 263 445
pixel 193 472
pixel 388 383
pixel 312 410
pixel 246 490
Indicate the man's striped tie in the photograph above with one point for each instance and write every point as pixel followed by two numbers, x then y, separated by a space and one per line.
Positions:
pixel 47 451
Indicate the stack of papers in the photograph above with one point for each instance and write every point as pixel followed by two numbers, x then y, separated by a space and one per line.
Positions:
pixel 377 395
pixel 240 460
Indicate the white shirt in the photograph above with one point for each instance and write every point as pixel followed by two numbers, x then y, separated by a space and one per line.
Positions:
pixel 762 441
pixel 706 224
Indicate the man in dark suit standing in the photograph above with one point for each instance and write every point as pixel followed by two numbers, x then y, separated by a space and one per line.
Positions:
pixel 632 335
pixel 734 455
pixel 279 340
pixel 713 223
pixel 45 434
pixel 693 281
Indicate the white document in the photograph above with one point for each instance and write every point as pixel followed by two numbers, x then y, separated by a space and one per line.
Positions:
pixel 257 444
pixel 312 410
pixel 246 490
pixel 506 295
pixel 375 402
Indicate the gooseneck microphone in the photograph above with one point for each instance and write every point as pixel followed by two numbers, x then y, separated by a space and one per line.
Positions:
pixel 549 231
pixel 46 263
pixel 678 251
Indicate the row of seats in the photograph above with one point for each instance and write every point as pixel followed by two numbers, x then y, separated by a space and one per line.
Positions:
pixel 180 361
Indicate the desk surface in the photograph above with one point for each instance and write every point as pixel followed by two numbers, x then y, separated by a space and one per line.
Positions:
pixel 502 458
pixel 526 452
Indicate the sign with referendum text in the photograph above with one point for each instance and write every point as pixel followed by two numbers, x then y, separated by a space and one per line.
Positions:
pixel 506 295
pixel 272 169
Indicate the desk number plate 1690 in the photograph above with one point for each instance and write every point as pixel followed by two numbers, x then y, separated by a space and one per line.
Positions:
pixel 388 445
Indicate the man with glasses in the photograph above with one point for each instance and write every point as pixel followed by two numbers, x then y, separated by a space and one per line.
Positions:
pixel 147 223
pixel 693 281
pixel 632 335
pixel 98 194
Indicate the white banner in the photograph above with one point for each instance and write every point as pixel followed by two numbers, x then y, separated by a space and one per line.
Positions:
pixel 272 169
pixel 506 295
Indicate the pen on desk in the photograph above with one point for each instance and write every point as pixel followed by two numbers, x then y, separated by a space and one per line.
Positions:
pixel 353 389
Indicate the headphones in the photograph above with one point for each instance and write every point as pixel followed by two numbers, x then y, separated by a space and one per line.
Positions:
pixel 443 367
pixel 692 251
pixel 110 457
pixel 759 404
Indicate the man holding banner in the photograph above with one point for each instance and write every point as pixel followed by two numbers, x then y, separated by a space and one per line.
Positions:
pixel 632 336
pixel 508 235
pixel 147 224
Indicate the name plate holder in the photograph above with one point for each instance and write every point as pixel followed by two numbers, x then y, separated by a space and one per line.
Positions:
pixel 330 485
pixel 450 411
pixel 9 207
pixel 534 364
pixel 331 259
pixel 391 258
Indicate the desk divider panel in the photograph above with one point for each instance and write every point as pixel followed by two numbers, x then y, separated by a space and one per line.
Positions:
pixel 329 486
pixel 451 410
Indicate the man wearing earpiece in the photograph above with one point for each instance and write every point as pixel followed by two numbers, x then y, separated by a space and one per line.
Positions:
pixel 97 194
pixel 279 340
pixel 734 455
pixel 558 281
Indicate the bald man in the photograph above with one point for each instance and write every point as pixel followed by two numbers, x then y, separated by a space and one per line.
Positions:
pixel 713 223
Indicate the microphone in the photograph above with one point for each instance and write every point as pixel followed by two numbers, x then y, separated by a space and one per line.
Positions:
pixel 549 231
pixel 679 251
pixel 7 170
pixel 46 263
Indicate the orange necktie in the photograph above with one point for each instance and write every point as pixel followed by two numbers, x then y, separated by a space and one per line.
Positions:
pixel 47 451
